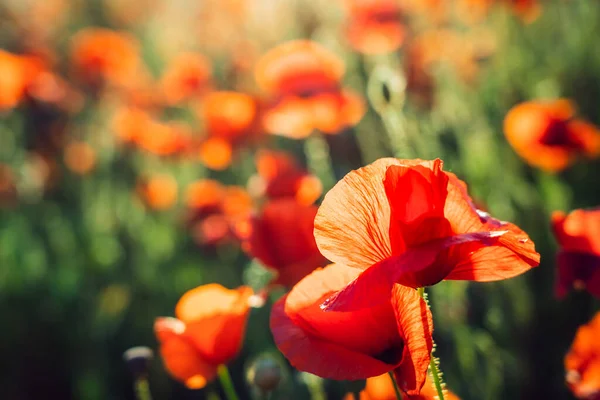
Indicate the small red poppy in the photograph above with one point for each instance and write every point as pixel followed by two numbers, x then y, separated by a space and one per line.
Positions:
pixel 578 261
pixel 374 26
pixel 208 332
pixel 280 176
pixel 546 136
pixel 281 237
pixel 582 362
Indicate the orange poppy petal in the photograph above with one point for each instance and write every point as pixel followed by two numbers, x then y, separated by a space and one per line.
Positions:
pixel 179 355
pixel 415 325
pixel 292 118
pixel 212 299
pixel 353 223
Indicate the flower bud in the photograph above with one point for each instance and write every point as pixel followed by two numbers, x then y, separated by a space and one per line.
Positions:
pixel 265 374
pixel 138 360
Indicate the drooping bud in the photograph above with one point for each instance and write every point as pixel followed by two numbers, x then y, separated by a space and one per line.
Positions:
pixel 265 374
pixel 138 360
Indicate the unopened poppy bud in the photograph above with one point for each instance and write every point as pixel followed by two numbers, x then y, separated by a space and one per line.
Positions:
pixel 265 374
pixel 138 360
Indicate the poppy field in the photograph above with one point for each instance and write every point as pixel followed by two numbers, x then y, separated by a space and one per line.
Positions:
pixel 300 199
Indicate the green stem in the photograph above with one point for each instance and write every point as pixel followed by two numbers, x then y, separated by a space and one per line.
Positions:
pixel 142 389
pixel 227 383
pixel 395 384
pixel 433 362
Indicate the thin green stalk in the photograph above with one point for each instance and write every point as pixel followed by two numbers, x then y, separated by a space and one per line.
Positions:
pixel 433 362
pixel 227 383
pixel 395 384
pixel 142 389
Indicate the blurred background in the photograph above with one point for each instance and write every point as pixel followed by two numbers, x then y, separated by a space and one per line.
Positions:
pixel 106 124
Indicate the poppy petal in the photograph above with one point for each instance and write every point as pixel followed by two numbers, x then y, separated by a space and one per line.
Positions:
pixel 318 356
pixel 353 330
pixel 352 226
pixel 415 325
pixel 409 269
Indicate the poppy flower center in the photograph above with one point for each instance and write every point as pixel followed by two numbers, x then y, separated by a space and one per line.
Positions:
pixel 557 134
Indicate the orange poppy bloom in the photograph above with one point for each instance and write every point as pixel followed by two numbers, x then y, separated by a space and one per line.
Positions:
pixel 187 76
pixel 374 26
pixel 304 81
pixel 24 76
pixel 281 237
pixel 158 192
pixel 102 56
pixel 164 138
pixel 578 261
pixel 546 136
pixel 129 123
pixel 207 332
pixel 380 388
pixel 230 118
pixel 279 175
pixel 214 210
pixel 13 80
pixel 582 362
pixel 410 222
pixel 393 334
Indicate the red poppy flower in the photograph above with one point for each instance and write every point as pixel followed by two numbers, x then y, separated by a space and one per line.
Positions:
pixel 230 118
pixel 281 237
pixel 215 210
pixel 582 362
pixel 303 79
pixel 380 388
pixel 208 332
pixel 280 176
pixel 546 136
pixel 393 334
pixel 187 76
pixel 374 26
pixel 102 56
pixel 410 222
pixel 578 235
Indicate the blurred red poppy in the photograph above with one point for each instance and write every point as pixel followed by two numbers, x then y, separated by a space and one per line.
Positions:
pixel 393 334
pixel 230 118
pixel 280 176
pixel 304 81
pixel 101 56
pixel 582 362
pixel 410 222
pixel 578 261
pixel 546 136
pixel 208 332
pixel 380 388
pixel 187 76
pixel 281 237
pixel 374 26
pixel 214 210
